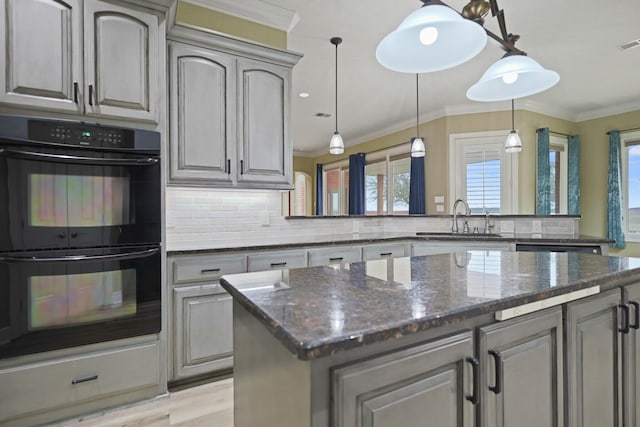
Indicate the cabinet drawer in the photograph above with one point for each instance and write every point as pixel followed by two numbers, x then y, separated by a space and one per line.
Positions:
pixel 277 260
pixel 326 256
pixel 389 250
pixel 46 386
pixel 200 268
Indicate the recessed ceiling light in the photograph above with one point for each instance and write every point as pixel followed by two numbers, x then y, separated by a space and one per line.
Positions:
pixel 630 44
pixel 303 94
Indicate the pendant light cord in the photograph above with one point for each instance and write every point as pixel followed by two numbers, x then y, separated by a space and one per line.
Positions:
pixel 336 99
pixel 513 127
pixel 417 108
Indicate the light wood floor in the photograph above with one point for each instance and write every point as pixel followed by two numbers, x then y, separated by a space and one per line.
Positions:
pixel 209 405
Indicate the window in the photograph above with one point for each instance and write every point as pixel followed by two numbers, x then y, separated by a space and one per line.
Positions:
pixel 631 185
pixel 481 172
pixel 558 173
pixel 387 172
pixel 297 202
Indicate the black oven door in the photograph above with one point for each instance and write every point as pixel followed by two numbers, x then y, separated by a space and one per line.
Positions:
pixel 66 298
pixel 75 198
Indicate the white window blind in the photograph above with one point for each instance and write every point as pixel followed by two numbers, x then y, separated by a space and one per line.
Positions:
pixel 483 179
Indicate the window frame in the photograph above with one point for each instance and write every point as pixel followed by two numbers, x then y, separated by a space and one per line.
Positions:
pixel 508 167
pixel 563 145
pixel 341 165
pixel 388 155
pixel 627 139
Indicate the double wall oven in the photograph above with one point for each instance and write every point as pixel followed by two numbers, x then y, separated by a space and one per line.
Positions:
pixel 80 212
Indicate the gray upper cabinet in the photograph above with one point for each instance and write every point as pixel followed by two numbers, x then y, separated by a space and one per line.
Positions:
pixel 86 57
pixel 202 96
pixel 229 112
pixel 263 123
pixel 522 359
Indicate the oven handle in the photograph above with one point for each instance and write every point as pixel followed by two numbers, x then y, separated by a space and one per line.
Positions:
pixel 110 257
pixel 63 158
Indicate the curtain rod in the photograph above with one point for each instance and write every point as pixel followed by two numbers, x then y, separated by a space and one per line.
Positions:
pixel 625 130
pixel 554 132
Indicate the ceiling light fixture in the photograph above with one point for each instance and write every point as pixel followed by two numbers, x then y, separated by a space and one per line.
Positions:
pixel 434 37
pixel 417 143
pixel 336 146
pixel 513 143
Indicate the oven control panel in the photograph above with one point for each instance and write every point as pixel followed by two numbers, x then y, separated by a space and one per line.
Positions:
pixel 81 134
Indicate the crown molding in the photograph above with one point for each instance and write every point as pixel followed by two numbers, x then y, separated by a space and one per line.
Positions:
pixel 254 10
pixel 611 110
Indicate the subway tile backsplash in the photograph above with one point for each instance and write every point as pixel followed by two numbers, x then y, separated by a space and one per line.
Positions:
pixel 202 218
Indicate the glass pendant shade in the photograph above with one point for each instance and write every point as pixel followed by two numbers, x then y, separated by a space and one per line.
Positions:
pixel 513 143
pixel 512 77
pixel 434 37
pixel 336 146
pixel 417 147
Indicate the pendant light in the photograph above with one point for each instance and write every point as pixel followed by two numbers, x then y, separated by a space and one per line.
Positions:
pixel 336 146
pixel 432 38
pixel 417 144
pixel 513 76
pixel 513 143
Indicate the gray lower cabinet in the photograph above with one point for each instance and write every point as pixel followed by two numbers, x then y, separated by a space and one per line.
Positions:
pixel 421 385
pixel 203 338
pixel 593 349
pixel 631 359
pixel 522 382
pixel 51 389
pixel 333 255
pixel 277 260
pixel 385 250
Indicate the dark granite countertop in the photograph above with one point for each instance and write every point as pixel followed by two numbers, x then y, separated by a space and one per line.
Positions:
pixel 318 311
pixel 368 238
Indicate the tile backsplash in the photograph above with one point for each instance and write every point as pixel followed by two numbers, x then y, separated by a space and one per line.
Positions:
pixel 202 218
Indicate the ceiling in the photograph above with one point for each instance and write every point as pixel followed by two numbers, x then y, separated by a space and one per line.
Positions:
pixel 579 39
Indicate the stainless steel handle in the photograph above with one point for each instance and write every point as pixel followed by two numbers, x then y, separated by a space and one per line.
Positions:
pixel 64 158
pixel 110 257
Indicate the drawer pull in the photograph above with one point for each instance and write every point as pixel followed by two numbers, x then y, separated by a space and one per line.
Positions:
pixel 210 270
pixel 338 258
pixel 278 264
pixel 386 254
pixel 84 380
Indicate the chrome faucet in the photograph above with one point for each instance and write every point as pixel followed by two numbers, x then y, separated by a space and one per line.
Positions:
pixel 454 224
pixel 487 227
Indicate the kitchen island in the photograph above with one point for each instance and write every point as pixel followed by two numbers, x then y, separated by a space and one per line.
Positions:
pixel 466 338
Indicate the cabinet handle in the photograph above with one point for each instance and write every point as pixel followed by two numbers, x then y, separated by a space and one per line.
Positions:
pixel 228 166
pixel 278 264
pixel 624 324
pixel 475 364
pixel 386 253
pixel 497 360
pixel 338 258
pixel 241 167
pixel 75 92
pixel 636 309
pixel 91 95
pixel 84 380
pixel 210 270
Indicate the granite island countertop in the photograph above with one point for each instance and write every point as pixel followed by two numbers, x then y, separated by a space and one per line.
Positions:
pixel 318 311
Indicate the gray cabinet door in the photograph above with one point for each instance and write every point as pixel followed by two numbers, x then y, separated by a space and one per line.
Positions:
pixel 121 61
pixel 522 357
pixel 417 386
pixel 263 124
pixel 202 96
pixel 41 51
pixel 631 355
pixel 593 361
pixel 202 330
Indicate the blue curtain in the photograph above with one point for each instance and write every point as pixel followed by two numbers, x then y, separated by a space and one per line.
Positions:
pixel 356 184
pixel 543 189
pixel 416 187
pixel 573 171
pixel 319 192
pixel 614 198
